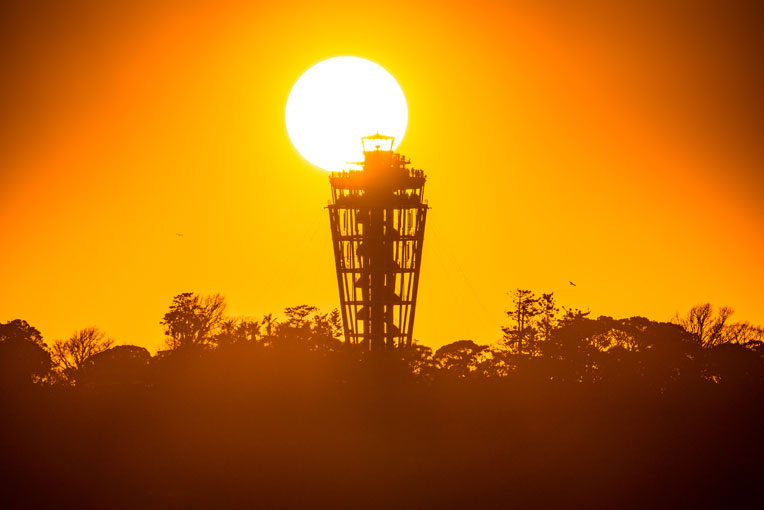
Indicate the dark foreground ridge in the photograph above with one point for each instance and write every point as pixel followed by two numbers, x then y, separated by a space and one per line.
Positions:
pixel 599 413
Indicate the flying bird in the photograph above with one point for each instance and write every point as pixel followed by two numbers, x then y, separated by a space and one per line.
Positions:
pixel 573 284
pixel 179 235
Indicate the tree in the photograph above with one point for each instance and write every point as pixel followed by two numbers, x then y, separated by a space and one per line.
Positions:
pixel 742 333
pixel 325 331
pixel 335 320
pixel 317 333
pixel 460 358
pixel 233 331
pixel 269 323
pixel 573 346
pixel 296 330
pixel 328 324
pixel 122 364
pixel 547 316
pixel 701 322
pixel 420 360
pixel 226 334
pixel 23 355
pixel 21 330
pixel 521 335
pixel 497 361
pixel 72 354
pixel 247 331
pixel 192 320
pixel 572 315
pixel 297 316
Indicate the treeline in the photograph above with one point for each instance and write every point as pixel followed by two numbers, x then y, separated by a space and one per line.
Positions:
pixel 542 340
pixel 566 411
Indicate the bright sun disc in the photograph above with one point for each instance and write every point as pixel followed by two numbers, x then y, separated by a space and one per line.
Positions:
pixel 336 102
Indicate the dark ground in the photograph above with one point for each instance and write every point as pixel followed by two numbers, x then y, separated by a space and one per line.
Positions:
pixel 234 431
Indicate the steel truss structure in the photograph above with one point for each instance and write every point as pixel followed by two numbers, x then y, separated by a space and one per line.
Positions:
pixel 377 217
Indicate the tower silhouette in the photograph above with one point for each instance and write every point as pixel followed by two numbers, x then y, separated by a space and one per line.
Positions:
pixel 377 216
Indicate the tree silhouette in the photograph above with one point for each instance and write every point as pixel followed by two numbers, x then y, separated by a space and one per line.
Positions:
pixel 420 361
pixel 248 331
pixel 318 332
pixel 328 324
pixel 460 358
pixel 23 356
pixel 226 334
pixel 122 364
pixel 192 319
pixel 269 323
pixel 20 330
pixel 233 331
pixel 572 315
pixel 706 326
pixel 742 333
pixel 520 336
pixel 71 355
pixel 547 316
pixel 297 316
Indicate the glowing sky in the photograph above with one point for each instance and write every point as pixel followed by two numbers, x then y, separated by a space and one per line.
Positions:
pixel 619 147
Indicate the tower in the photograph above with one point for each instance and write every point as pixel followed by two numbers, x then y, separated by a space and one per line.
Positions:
pixel 377 216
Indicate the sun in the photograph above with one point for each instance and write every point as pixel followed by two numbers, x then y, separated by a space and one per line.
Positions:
pixel 336 102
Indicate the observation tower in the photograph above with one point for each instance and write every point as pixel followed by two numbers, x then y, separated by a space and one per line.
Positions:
pixel 377 217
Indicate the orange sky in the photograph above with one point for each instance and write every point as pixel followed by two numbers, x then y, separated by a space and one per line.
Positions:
pixel 615 146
